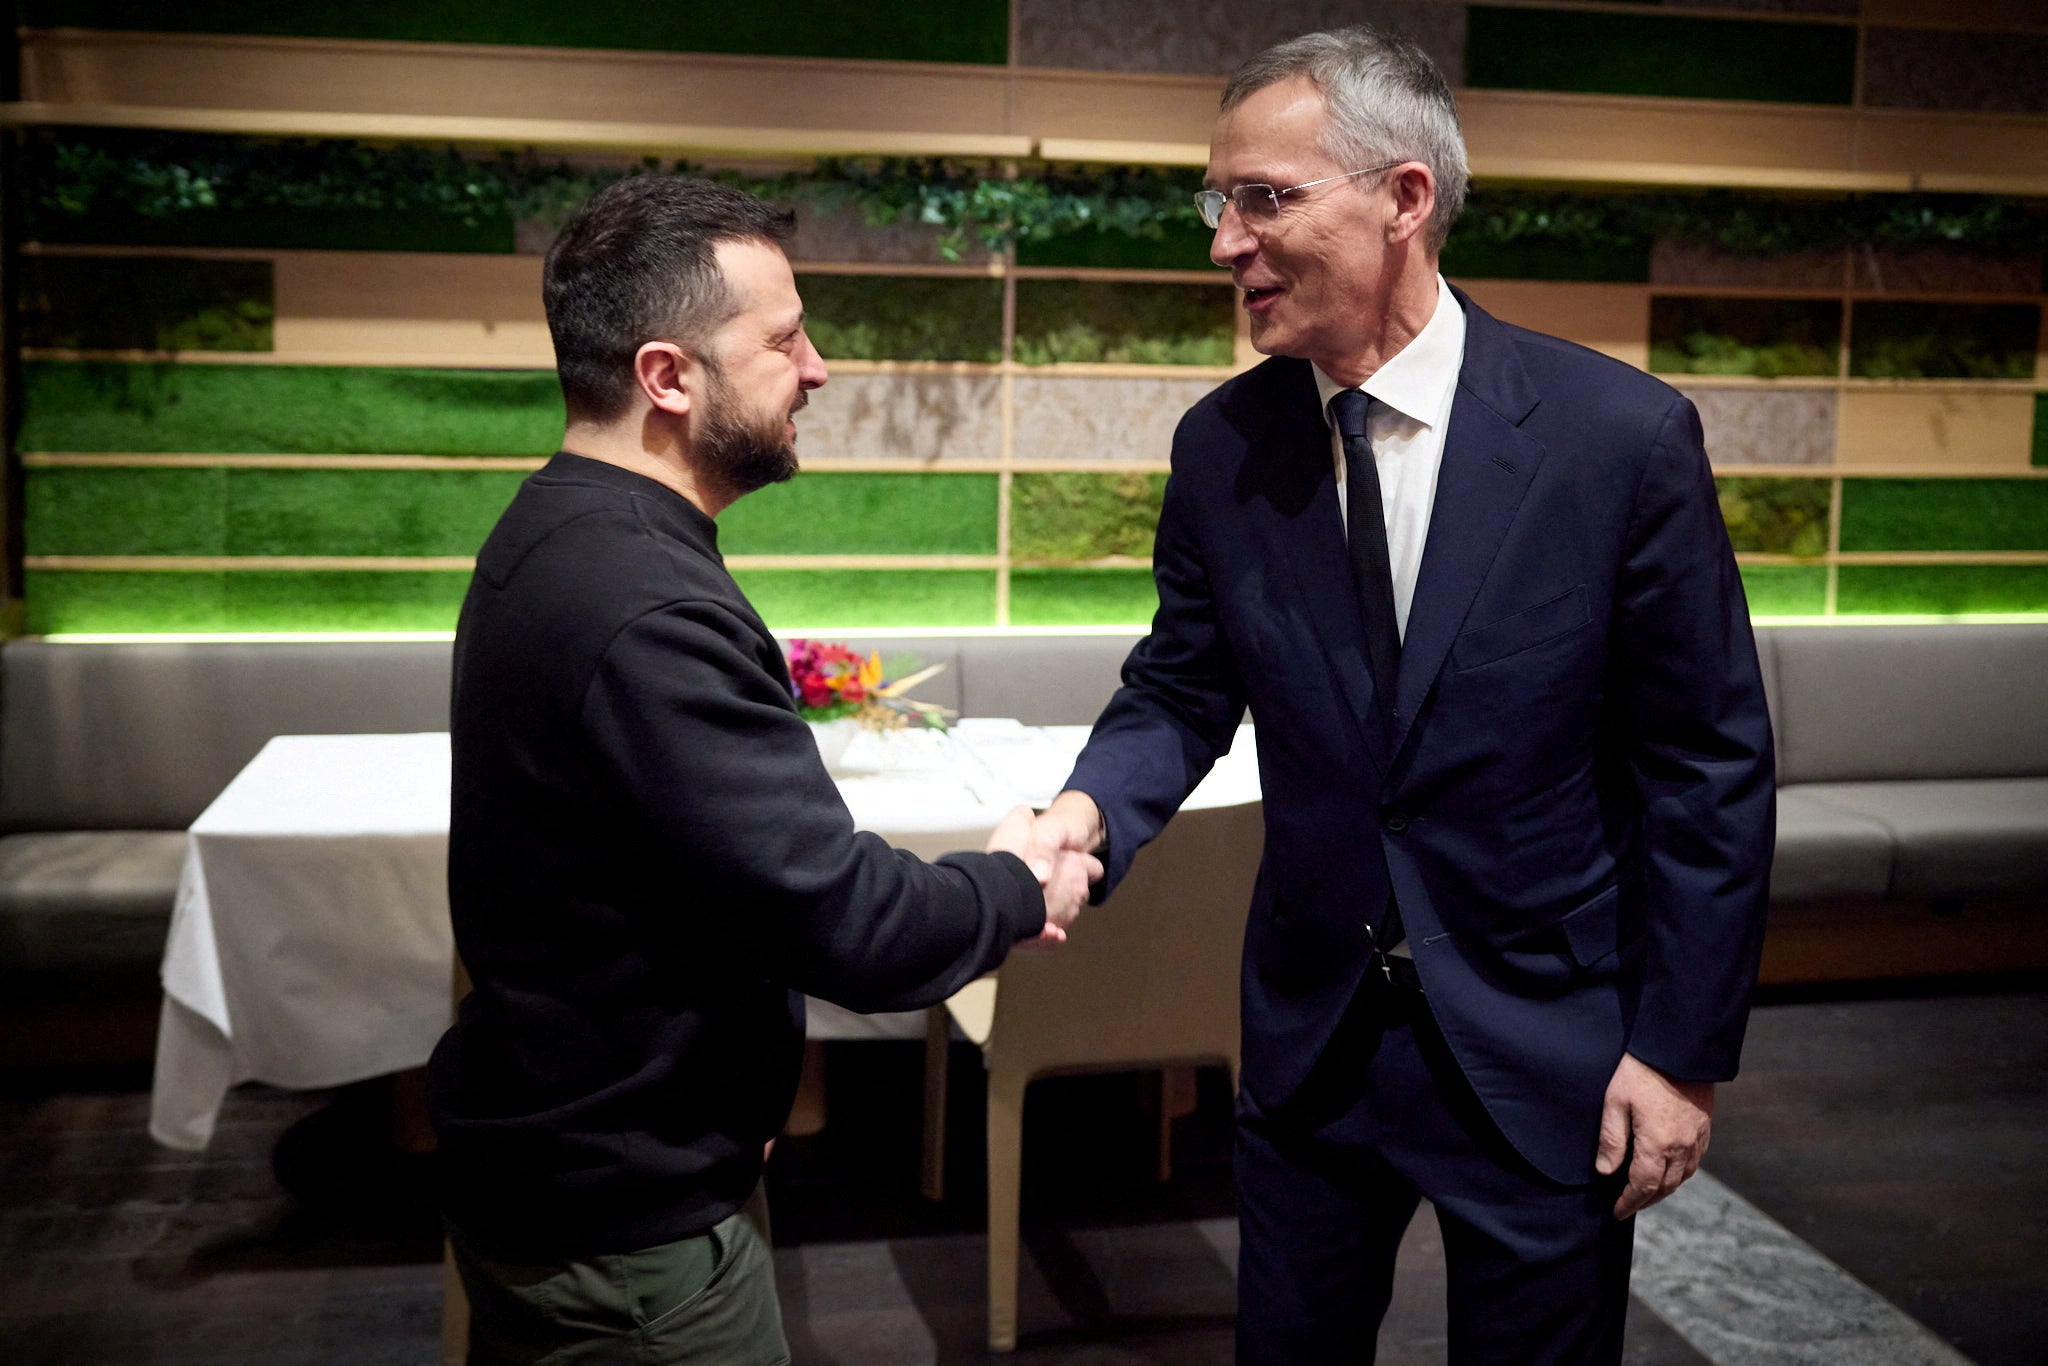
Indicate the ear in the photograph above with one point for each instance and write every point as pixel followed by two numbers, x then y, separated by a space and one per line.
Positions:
pixel 1413 187
pixel 668 376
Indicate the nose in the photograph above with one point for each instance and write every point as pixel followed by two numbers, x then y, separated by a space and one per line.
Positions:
pixel 810 366
pixel 1233 239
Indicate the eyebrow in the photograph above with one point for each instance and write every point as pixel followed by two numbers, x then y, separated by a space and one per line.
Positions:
pixel 794 328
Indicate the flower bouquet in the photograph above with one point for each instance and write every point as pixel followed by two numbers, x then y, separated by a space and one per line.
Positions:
pixel 841 692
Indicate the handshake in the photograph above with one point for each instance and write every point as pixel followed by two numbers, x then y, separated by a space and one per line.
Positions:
pixel 1056 844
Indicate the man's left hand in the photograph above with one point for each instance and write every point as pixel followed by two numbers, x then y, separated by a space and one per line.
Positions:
pixel 1669 1122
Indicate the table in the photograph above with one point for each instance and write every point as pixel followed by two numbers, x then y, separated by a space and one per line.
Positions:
pixel 310 944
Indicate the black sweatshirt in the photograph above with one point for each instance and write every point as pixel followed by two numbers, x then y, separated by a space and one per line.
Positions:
pixel 647 863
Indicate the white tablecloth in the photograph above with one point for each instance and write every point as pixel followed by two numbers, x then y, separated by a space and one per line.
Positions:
pixel 310 945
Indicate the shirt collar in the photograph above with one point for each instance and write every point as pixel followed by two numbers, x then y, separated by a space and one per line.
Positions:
pixel 1414 381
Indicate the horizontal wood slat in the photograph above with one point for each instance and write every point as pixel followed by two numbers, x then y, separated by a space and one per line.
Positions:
pixel 130 564
pixel 417 563
pixel 710 105
pixel 144 460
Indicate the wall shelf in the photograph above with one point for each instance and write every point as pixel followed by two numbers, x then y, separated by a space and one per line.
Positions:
pixel 724 106
pixel 632 139
pixel 146 460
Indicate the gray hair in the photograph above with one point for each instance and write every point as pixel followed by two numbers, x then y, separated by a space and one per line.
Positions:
pixel 1386 99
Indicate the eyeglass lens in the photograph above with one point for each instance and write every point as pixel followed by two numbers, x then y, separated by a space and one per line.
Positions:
pixel 1253 201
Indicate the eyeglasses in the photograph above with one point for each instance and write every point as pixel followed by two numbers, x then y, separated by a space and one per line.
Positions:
pixel 1261 203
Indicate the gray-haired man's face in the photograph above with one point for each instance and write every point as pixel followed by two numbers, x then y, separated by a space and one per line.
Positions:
pixel 1314 274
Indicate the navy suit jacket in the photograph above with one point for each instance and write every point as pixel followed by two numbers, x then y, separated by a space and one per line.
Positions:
pixel 1575 808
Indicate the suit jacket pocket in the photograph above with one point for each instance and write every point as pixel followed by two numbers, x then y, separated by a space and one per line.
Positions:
pixel 1593 931
pixel 1524 630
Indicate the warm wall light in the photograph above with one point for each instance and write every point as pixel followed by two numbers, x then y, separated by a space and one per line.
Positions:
pixel 910 632
pixel 1910 619
pixel 231 637
pixel 862 632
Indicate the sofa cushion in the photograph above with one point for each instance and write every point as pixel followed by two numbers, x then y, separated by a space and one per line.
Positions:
pixel 1955 839
pixel 142 735
pixel 1767 665
pixel 1869 703
pixel 87 901
pixel 1825 852
pixel 1062 680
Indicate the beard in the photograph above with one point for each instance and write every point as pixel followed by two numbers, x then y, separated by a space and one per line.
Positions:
pixel 740 450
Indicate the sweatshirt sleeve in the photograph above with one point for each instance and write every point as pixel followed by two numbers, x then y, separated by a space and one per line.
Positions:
pixel 701 745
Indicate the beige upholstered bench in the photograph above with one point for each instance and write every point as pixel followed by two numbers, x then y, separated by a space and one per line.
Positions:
pixel 1913 812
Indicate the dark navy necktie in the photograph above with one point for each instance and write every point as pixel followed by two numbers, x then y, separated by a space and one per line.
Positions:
pixel 1371 568
pixel 1372 572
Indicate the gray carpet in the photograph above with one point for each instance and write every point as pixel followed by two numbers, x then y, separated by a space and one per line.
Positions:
pixel 1878 1176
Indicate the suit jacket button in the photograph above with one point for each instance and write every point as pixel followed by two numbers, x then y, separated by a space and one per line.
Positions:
pixel 1395 821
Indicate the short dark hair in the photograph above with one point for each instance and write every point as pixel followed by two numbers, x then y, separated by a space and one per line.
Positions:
pixel 636 264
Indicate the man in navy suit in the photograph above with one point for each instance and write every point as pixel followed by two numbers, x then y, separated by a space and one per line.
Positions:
pixel 1473 585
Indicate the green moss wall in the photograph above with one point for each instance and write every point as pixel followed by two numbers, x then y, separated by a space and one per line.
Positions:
pixel 1650 54
pixel 903 30
pixel 181 474
pixel 1076 539
pixel 286 409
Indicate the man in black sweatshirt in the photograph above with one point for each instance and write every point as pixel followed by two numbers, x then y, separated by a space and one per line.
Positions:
pixel 648 864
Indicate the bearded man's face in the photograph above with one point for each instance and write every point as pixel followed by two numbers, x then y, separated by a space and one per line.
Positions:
pixel 746 447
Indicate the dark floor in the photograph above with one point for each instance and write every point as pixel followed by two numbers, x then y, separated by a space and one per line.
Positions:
pixel 1905 1137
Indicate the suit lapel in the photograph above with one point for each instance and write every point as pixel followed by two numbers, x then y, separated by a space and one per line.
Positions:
pixel 1304 530
pixel 1488 464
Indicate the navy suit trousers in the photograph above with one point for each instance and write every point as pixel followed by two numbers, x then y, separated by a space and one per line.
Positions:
pixel 1537 1271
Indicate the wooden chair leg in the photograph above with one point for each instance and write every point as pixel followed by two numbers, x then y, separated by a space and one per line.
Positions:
pixel 454 1312
pixel 938 1037
pixel 454 1300
pixel 1176 1098
pixel 1005 1179
pixel 411 1130
pixel 807 1111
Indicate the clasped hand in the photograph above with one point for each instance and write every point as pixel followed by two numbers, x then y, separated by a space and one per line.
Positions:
pixel 1055 846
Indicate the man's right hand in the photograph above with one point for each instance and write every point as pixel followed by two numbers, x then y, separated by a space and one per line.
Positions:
pixel 1071 828
pixel 1064 873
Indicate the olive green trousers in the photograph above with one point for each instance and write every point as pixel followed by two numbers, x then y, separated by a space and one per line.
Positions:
pixel 699 1301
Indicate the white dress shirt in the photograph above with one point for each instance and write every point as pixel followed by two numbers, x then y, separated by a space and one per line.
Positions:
pixel 1407 425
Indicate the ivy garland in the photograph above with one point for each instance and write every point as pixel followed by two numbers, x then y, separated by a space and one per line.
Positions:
pixel 1755 225
pixel 980 201
pixel 161 175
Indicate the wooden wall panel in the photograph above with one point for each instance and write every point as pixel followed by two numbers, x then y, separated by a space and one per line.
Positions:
pixel 1922 430
pixel 398 308
pixel 475 81
pixel 1612 319
pixel 1508 129
pixel 578 98
pixel 1991 153
pixel 1119 107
